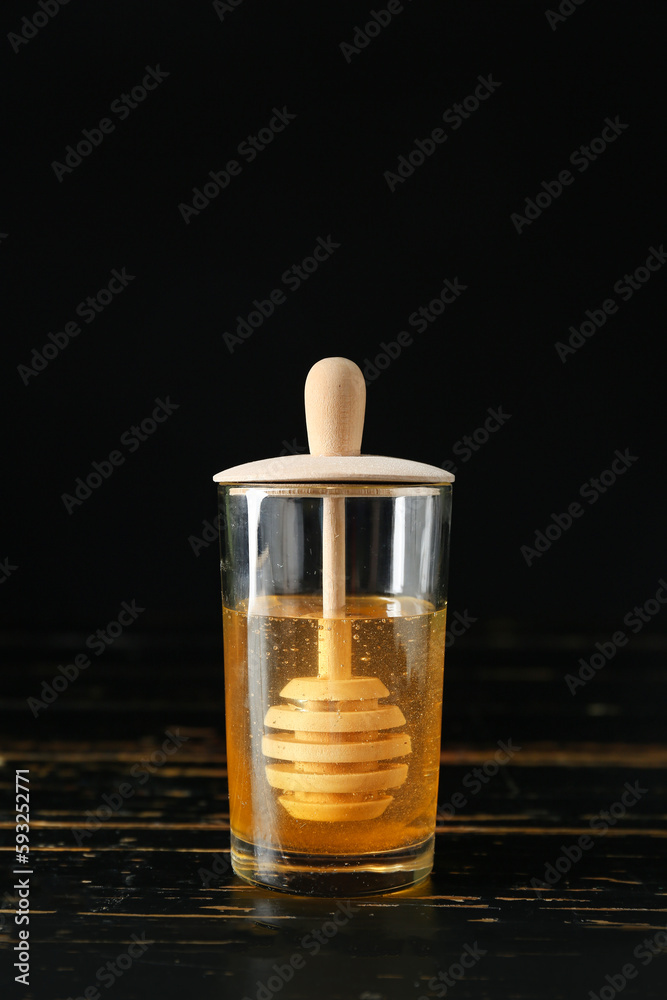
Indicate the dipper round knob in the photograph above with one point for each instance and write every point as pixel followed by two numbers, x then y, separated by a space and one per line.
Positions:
pixel 335 397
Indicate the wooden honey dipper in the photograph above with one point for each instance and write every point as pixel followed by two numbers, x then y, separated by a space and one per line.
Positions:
pixel 335 754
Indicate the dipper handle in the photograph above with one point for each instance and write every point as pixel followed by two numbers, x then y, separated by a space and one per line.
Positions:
pixel 333 753
pixel 335 397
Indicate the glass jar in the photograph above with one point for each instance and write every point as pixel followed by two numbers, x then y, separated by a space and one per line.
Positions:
pixel 333 704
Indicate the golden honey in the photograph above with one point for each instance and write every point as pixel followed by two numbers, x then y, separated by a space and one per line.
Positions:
pixel 302 779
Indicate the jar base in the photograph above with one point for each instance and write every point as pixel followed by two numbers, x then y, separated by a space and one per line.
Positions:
pixel 329 874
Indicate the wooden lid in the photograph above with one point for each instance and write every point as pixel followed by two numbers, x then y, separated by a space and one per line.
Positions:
pixel 335 398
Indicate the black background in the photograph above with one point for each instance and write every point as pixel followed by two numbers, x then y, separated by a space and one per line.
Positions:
pixel 63 576
pixel 321 176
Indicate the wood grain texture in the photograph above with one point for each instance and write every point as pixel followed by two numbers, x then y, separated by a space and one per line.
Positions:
pixel 159 864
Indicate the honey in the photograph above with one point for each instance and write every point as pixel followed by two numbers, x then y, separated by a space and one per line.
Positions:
pixel 328 788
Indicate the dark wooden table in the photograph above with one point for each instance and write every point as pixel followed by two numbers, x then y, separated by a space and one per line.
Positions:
pixel 136 899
